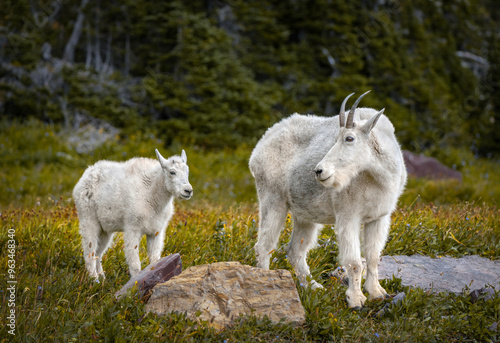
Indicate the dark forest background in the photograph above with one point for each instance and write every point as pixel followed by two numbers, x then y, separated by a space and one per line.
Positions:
pixel 218 73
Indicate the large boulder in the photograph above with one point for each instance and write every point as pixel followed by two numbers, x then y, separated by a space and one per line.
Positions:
pixel 220 292
pixel 428 167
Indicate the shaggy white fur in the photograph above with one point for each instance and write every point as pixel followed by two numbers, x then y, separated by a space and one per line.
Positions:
pixel 135 197
pixel 329 171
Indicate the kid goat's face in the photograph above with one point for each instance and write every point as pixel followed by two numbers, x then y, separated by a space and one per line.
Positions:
pixel 177 175
pixel 176 172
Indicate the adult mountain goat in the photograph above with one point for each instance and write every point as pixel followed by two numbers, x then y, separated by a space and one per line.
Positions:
pixel 330 171
pixel 135 197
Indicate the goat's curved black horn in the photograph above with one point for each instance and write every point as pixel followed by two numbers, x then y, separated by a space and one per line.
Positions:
pixel 350 116
pixel 342 111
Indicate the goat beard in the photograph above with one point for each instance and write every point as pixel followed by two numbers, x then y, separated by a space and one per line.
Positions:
pixel 342 178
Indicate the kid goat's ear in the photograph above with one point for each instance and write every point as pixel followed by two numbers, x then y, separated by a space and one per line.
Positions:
pixel 370 124
pixel 183 156
pixel 163 161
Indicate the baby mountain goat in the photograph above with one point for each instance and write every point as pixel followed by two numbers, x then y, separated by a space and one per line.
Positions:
pixel 135 197
pixel 330 171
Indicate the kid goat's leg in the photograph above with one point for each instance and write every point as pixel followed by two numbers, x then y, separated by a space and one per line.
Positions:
pixel 375 236
pixel 90 230
pixel 350 258
pixel 105 240
pixel 272 215
pixel 304 237
pixel 155 245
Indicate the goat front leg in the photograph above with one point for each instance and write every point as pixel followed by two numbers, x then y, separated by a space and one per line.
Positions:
pixel 375 234
pixel 350 258
pixel 132 240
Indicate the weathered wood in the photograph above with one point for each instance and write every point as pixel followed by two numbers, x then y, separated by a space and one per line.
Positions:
pixel 161 271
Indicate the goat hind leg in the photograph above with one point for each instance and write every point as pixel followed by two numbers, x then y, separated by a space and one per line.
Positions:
pixel 155 246
pixel 105 240
pixel 375 234
pixel 90 230
pixel 272 218
pixel 304 237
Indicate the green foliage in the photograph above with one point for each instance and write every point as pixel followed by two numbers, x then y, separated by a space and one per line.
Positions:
pixel 460 229
pixel 217 74
pixel 211 103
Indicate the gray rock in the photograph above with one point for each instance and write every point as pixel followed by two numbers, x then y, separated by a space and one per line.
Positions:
pixel 494 327
pixel 442 274
pixel 428 167
pixel 161 271
pixel 396 301
pixel 220 292
pixel 90 133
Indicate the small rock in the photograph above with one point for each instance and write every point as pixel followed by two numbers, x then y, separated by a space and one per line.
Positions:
pixel 482 293
pixel 396 301
pixel 494 327
pixel 220 292
pixel 340 274
pixel 161 271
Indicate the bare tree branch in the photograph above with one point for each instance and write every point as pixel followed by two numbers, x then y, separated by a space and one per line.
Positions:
pixel 69 50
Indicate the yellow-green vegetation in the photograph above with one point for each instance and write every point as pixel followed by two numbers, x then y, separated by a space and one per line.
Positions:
pixel 39 164
pixel 56 300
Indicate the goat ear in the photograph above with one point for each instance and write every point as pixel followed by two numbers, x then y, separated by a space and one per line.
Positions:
pixel 161 159
pixel 184 156
pixel 370 124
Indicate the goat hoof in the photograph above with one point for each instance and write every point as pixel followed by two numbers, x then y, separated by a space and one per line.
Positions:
pixel 315 285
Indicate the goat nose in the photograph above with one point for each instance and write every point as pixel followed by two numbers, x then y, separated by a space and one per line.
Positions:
pixel 318 172
pixel 188 191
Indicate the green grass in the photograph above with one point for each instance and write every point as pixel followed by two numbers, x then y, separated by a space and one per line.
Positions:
pixel 57 301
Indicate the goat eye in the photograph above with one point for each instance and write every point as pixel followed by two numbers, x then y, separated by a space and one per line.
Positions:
pixel 349 139
pixel 172 172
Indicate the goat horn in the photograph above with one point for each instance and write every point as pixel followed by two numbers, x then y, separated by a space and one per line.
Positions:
pixel 342 110
pixel 350 116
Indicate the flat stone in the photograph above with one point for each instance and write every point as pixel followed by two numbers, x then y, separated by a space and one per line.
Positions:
pixel 442 274
pixel 220 292
pixel 160 271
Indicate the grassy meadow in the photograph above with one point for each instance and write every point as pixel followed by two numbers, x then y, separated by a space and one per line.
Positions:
pixel 56 300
